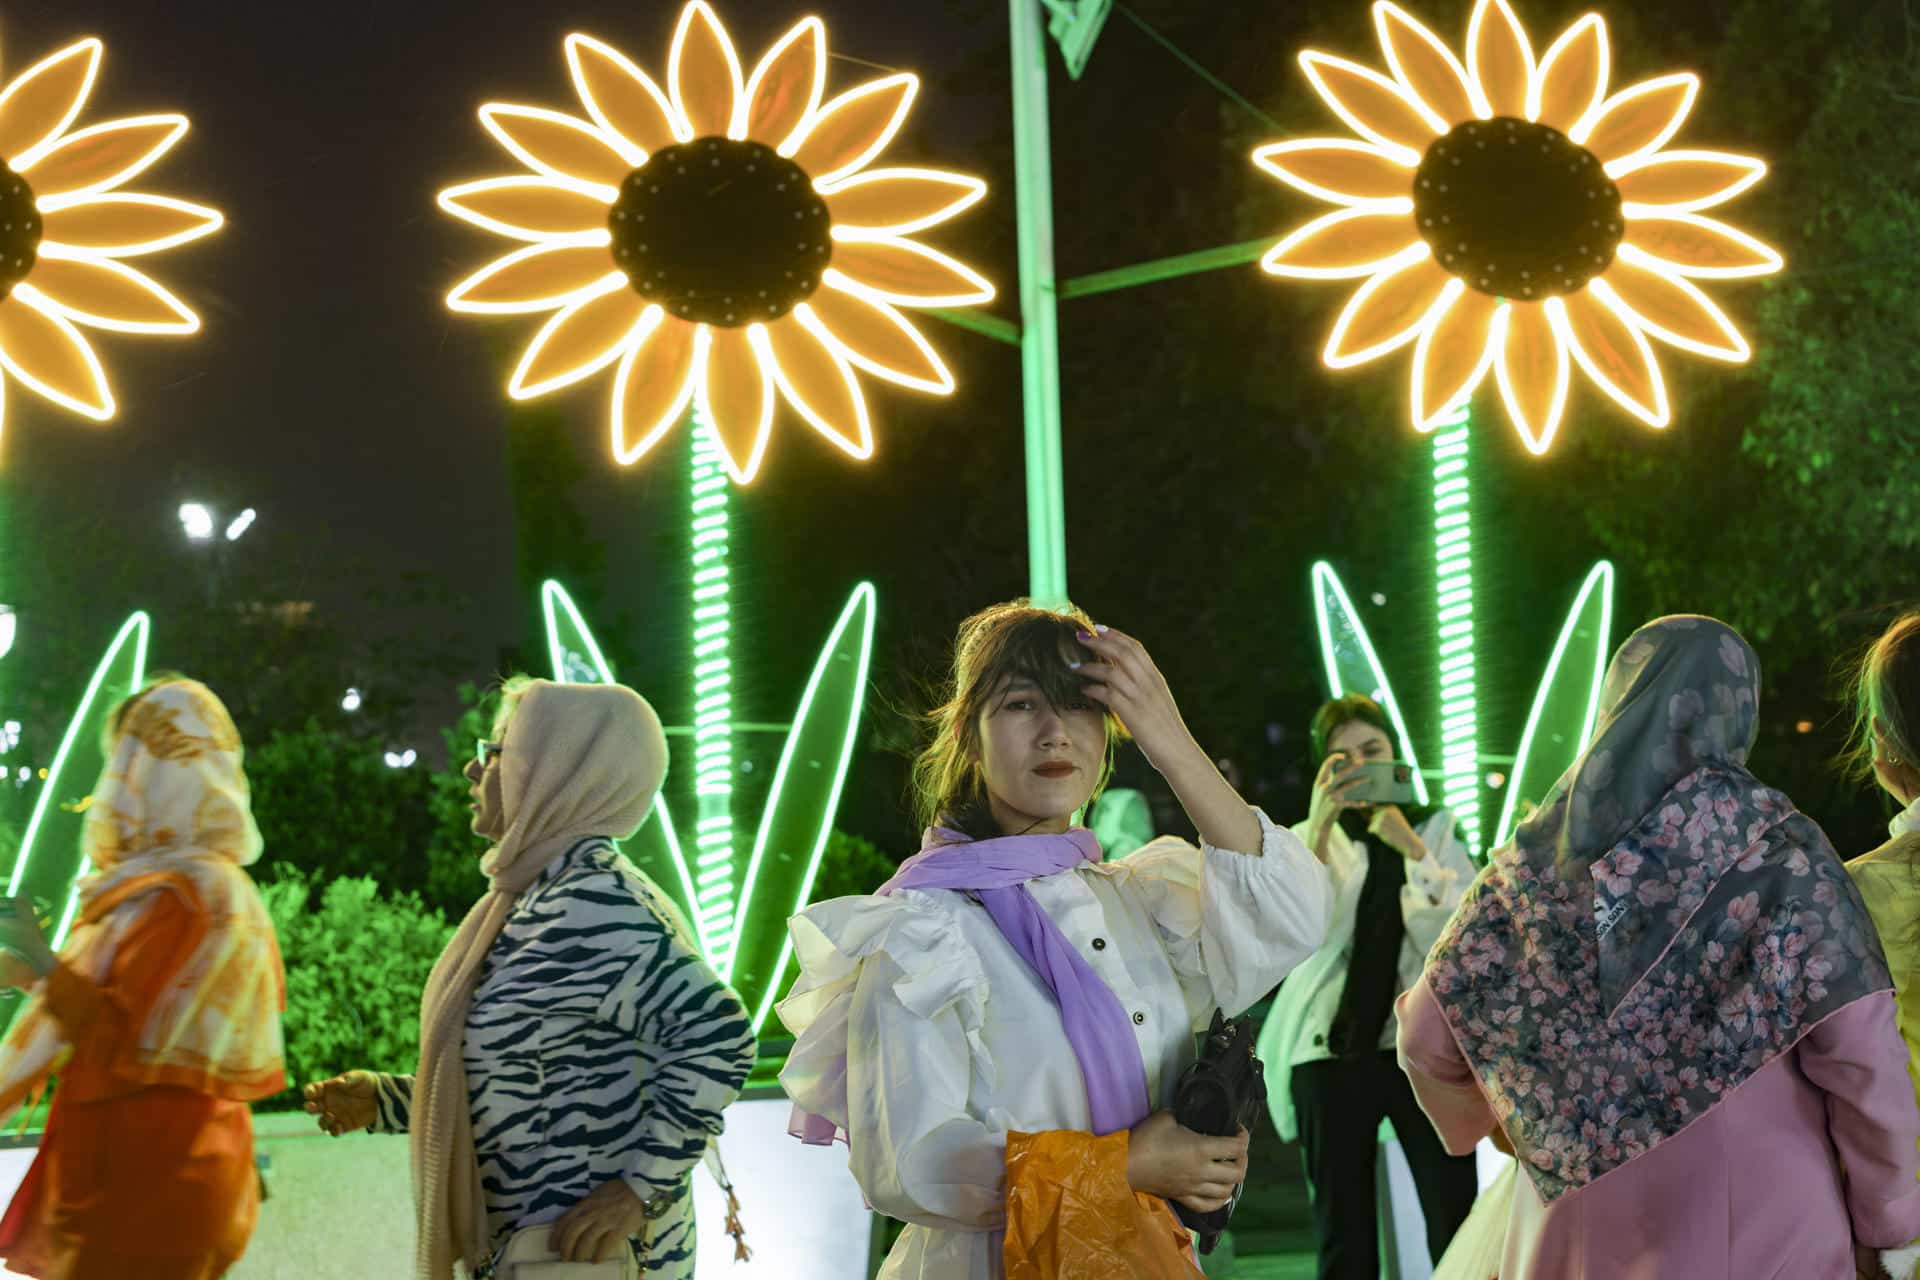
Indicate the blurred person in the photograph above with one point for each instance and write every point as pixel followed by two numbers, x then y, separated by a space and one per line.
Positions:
pixel 161 1014
pixel 1667 995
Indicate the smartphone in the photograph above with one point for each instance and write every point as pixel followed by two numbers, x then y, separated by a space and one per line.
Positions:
pixel 1384 782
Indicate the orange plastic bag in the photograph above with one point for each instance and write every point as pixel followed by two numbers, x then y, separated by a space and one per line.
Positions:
pixel 1072 1216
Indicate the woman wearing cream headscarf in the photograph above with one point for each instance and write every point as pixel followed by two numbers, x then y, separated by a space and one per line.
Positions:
pixel 161 1014
pixel 576 1052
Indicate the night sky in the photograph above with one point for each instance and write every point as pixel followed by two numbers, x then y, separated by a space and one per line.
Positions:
pixel 330 388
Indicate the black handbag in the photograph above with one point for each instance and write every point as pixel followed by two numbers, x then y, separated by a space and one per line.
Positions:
pixel 1223 1092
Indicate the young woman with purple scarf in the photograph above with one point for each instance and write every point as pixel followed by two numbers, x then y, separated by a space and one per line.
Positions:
pixel 1667 994
pixel 1008 998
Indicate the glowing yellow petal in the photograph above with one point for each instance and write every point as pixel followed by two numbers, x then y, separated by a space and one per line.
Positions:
pixel 1573 75
pixel 1685 181
pixel 535 209
pixel 1453 353
pixel 1387 311
pixel 43 349
pixel 703 74
pixel 561 146
pixel 907 272
pixel 1672 309
pixel 1637 121
pixel 1692 244
pixel 848 132
pixel 1425 65
pixel 1345 243
pixel 1534 373
pixel 1500 59
pixel 738 394
pixel 1337 169
pixel 878 338
pixel 621 98
pixel 579 341
pixel 102 157
pixel 787 85
pixel 655 382
pixel 540 277
pixel 1373 106
pixel 105 294
pixel 45 98
pixel 1611 350
pixel 818 382
pixel 125 225
pixel 898 202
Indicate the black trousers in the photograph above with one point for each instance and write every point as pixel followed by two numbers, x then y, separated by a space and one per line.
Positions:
pixel 1339 1103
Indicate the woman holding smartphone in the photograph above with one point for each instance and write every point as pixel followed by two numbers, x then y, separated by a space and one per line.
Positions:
pixel 1329 1042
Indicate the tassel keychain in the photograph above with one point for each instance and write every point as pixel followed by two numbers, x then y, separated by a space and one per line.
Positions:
pixel 718 1168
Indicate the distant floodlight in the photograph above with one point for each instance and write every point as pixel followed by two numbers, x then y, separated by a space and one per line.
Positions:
pixel 401 759
pixel 351 702
pixel 196 520
pixel 9 626
pixel 241 523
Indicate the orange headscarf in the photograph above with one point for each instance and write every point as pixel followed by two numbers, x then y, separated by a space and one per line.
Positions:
pixel 171 815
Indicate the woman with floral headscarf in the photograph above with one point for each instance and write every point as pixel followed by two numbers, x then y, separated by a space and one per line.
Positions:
pixel 161 1014
pixel 1667 995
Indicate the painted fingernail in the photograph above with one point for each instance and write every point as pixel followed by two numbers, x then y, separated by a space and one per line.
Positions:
pixel 1083 635
pixel 1100 627
pixel 1073 666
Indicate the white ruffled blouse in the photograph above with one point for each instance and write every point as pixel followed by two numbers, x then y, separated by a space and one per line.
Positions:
pixel 951 1039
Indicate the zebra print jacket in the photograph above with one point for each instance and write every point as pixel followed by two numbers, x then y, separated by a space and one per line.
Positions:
pixel 599 1045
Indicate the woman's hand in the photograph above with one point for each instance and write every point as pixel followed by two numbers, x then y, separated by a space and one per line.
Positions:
pixel 1125 680
pixel 1391 825
pixel 1333 788
pixel 20 934
pixel 599 1226
pixel 344 1104
pixel 1174 1163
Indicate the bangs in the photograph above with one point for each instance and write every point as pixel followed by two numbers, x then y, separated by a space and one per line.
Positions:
pixel 1036 649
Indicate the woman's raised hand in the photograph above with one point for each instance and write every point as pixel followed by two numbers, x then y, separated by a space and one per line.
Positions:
pixel 344 1104
pixel 1167 1160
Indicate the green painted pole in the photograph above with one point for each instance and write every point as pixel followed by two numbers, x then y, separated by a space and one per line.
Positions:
pixel 1039 335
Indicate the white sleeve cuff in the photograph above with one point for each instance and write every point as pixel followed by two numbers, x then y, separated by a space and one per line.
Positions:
pixel 1902 1262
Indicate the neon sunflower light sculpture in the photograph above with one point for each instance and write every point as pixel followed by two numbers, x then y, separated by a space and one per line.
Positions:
pixel 65 226
pixel 1508 214
pixel 724 238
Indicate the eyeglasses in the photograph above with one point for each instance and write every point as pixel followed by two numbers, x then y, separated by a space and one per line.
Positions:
pixel 485 751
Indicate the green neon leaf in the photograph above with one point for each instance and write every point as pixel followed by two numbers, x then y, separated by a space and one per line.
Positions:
pixel 1567 703
pixel 800 808
pixel 1351 664
pixel 50 858
pixel 576 659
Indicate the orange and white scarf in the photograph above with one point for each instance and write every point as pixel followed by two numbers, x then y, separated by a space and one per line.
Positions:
pixel 171 815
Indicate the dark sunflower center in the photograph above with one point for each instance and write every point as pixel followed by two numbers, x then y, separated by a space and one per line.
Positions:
pixel 1516 209
pixel 20 229
pixel 721 232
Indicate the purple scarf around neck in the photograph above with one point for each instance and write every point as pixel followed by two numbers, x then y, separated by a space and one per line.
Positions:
pixel 1096 1025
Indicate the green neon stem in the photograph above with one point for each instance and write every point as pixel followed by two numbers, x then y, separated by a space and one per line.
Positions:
pixel 61 863
pixel 1567 704
pixel 1039 334
pixel 1453 591
pixel 713 765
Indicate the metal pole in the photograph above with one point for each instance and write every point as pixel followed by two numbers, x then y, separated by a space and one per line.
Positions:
pixel 1039 336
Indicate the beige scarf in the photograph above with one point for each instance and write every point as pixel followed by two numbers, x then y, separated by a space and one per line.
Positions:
pixel 578 761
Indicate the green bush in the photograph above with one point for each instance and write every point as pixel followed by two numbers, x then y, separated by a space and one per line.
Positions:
pixel 357 958
pixel 850 865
